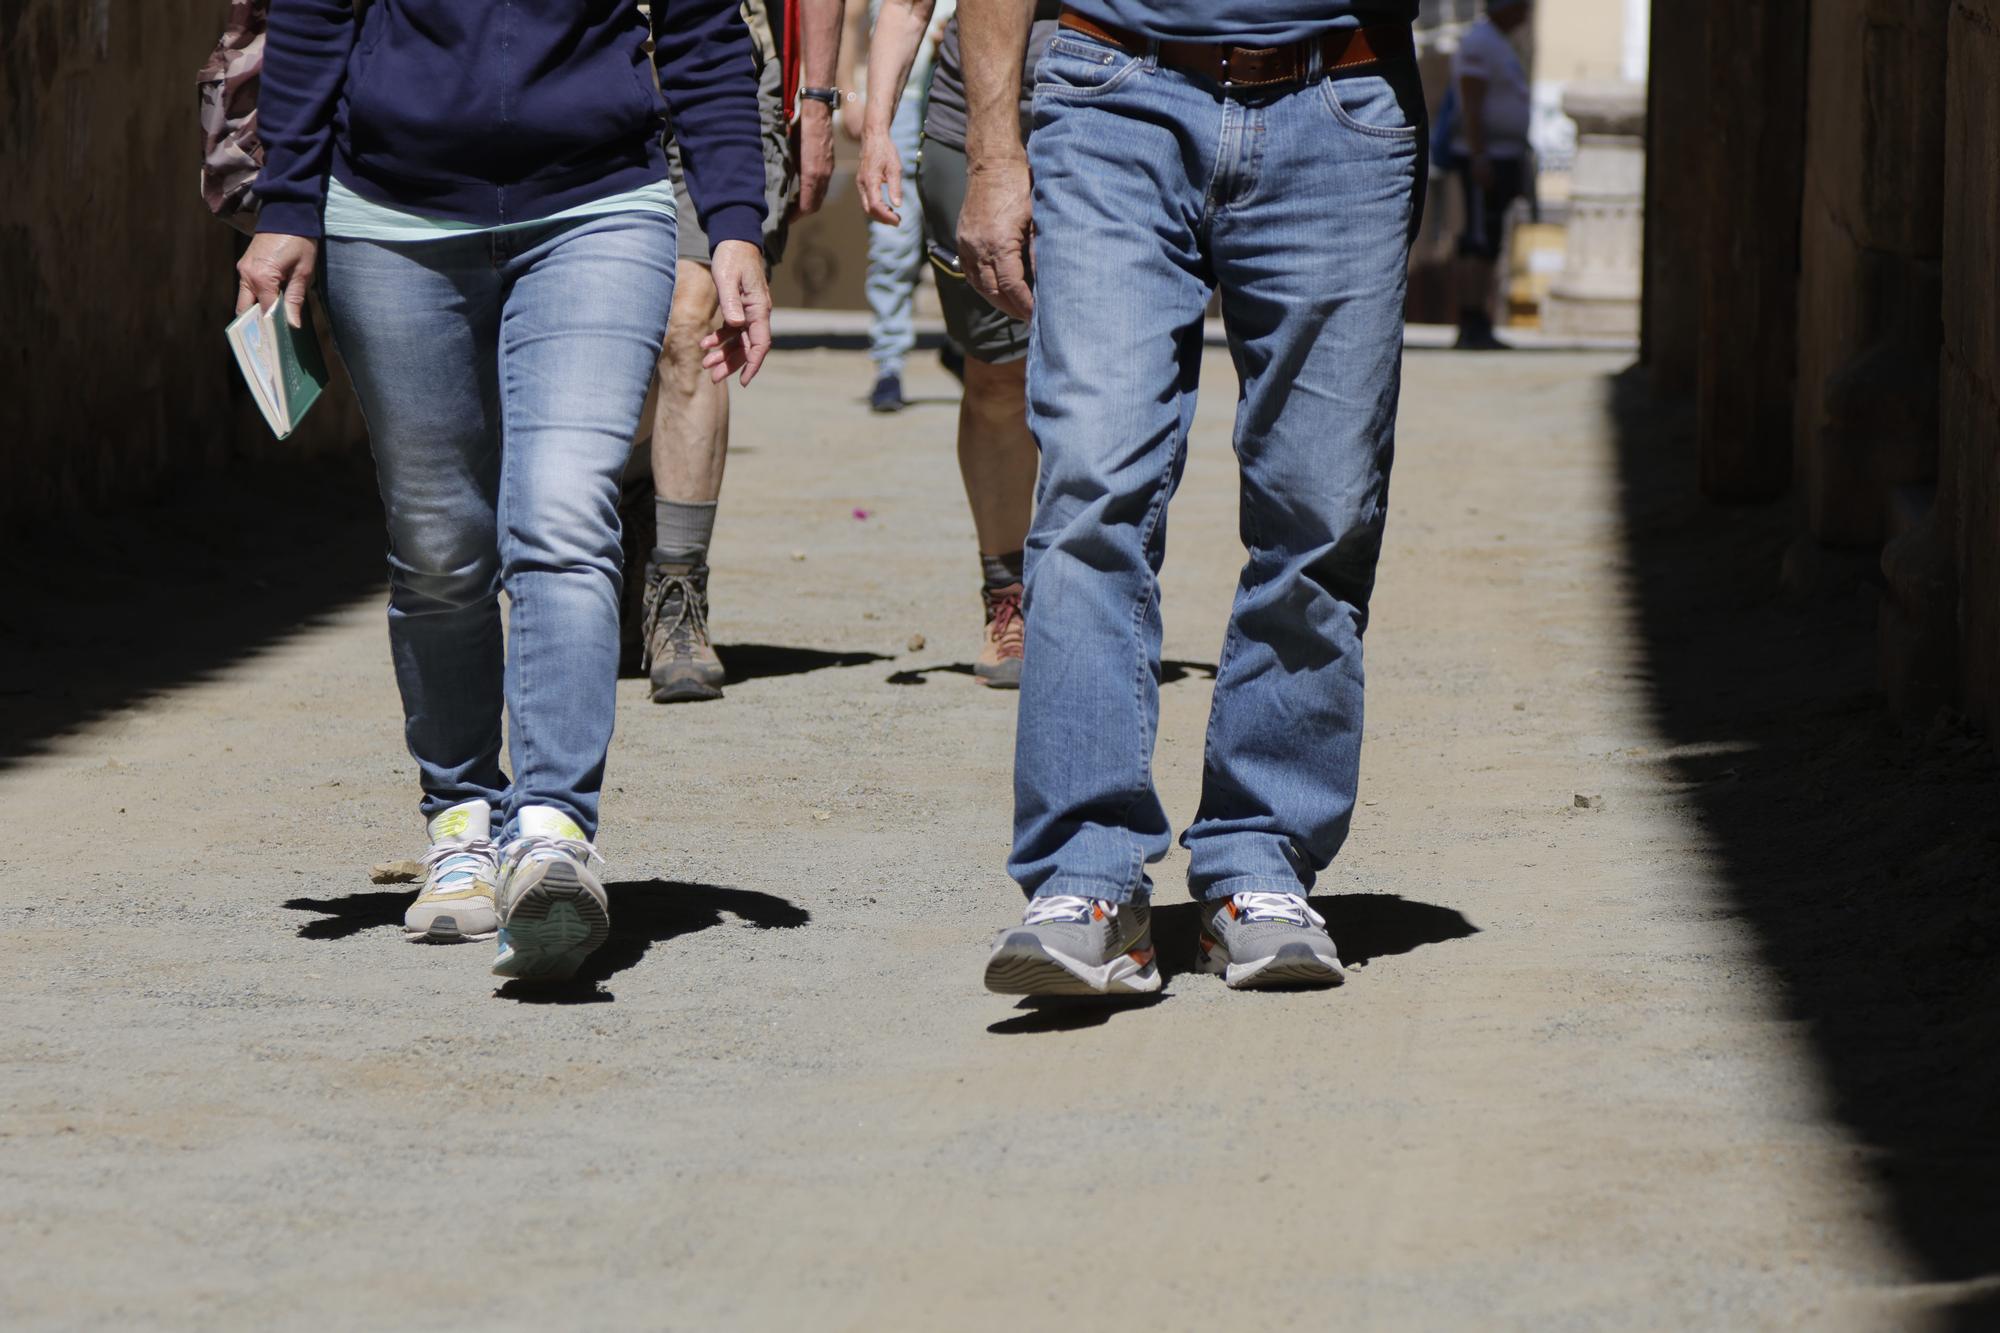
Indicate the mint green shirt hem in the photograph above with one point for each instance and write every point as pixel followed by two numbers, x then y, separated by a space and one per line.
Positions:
pixel 352 218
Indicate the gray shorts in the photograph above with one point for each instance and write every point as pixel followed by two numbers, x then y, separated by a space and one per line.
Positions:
pixel 985 333
pixel 781 163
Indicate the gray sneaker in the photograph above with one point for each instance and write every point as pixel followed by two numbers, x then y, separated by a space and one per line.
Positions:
pixel 1267 939
pixel 679 657
pixel 553 911
pixel 1076 946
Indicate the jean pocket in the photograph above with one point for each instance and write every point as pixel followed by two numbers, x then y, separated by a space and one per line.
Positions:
pixel 1081 67
pixel 1388 104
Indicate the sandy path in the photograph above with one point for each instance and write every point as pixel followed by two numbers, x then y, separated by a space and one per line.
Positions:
pixel 1558 1093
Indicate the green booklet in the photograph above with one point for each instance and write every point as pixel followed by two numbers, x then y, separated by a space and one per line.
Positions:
pixel 281 364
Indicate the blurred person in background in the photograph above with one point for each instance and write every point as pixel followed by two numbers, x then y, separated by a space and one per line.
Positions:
pixel 483 193
pixel 687 440
pixel 896 250
pixel 1490 149
pixel 996 454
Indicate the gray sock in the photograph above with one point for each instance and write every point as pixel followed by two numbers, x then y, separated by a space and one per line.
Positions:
pixel 684 531
pixel 1001 570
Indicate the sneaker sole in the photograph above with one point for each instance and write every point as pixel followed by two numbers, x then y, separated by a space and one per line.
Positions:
pixel 552 927
pixel 444 930
pixel 1290 967
pixel 1024 970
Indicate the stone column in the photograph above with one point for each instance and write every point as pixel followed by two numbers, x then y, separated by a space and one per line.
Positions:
pixel 1597 293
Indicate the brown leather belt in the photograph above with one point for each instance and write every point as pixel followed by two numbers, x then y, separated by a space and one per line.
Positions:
pixel 1259 66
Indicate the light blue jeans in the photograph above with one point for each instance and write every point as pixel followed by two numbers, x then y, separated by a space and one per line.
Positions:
pixel 1152 188
pixel 502 374
pixel 896 254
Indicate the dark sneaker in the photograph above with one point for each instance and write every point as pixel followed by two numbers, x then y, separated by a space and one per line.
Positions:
pixel 999 663
pixel 679 657
pixel 887 395
pixel 1076 946
pixel 1267 939
pixel 1478 338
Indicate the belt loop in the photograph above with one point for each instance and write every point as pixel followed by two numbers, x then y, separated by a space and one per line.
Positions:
pixel 1315 59
pixel 1152 54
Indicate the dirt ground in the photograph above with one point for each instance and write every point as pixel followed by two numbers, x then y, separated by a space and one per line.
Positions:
pixel 1569 1085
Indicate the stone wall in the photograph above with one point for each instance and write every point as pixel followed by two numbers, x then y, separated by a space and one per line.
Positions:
pixel 1969 456
pixel 114 281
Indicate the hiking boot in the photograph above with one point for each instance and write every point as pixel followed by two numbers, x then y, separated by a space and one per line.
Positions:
pixel 887 395
pixel 1076 946
pixel 1267 939
pixel 456 902
pixel 999 663
pixel 679 657
pixel 553 910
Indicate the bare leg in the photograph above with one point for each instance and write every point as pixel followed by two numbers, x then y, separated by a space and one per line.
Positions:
pixel 996 454
pixel 691 415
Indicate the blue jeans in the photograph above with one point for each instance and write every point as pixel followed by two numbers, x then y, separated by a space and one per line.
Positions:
pixel 1152 188
pixel 502 375
pixel 896 254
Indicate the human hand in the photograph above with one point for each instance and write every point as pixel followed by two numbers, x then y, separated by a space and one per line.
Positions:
pixel 815 156
pixel 881 171
pixel 744 339
pixel 277 266
pixel 996 233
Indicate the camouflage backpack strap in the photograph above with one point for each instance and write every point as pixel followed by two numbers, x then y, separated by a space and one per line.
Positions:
pixel 231 152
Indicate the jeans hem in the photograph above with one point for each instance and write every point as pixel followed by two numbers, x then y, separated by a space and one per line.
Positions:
pixel 1216 890
pixel 1091 888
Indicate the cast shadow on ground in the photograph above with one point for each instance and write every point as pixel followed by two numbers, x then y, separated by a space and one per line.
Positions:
pixel 643 913
pixel 1170 672
pixel 106 611
pixel 1861 851
pixel 1365 926
pixel 761 661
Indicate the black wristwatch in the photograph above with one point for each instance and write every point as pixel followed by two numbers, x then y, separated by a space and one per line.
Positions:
pixel 830 96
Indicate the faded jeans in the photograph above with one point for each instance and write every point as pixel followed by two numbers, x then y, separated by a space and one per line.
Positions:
pixel 502 375
pixel 896 254
pixel 1152 188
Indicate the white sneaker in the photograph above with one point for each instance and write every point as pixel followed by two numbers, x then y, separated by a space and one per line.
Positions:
pixel 456 902
pixel 553 911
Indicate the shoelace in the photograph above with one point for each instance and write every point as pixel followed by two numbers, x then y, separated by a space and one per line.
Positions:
pixel 1004 611
pixel 1061 907
pixel 1290 908
pixel 455 862
pixel 530 843
pixel 687 624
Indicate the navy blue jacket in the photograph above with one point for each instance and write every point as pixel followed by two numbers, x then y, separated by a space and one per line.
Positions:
pixel 495 111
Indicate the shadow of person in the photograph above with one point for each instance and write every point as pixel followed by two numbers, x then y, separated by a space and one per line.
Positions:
pixel 1364 926
pixel 1170 672
pixel 759 661
pixel 643 913
pixel 1069 1013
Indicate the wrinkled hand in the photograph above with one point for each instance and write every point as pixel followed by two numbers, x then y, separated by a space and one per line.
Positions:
pixel 881 172
pixel 744 339
pixel 996 234
pixel 815 156
pixel 276 266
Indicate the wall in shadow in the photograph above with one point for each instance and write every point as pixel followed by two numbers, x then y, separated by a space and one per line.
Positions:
pixel 1865 855
pixel 105 611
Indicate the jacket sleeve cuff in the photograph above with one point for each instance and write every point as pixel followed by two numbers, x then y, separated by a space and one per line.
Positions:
pixel 289 219
pixel 735 222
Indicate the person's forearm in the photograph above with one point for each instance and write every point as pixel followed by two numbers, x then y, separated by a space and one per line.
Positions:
pixel 892 53
pixel 819 41
pixel 993 45
pixel 306 47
